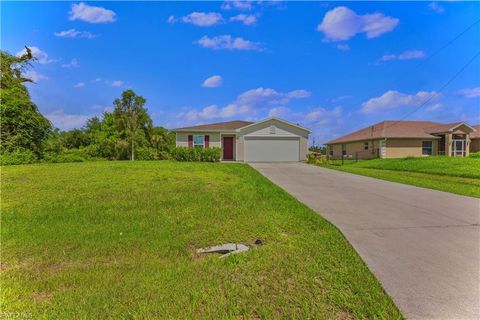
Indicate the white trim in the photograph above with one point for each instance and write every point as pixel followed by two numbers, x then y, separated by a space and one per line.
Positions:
pixel 462 124
pixel 277 119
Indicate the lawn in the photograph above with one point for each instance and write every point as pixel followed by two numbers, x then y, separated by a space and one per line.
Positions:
pixel 450 174
pixel 118 239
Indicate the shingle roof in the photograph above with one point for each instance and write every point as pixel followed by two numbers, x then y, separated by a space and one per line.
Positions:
pixel 397 129
pixel 475 134
pixel 219 126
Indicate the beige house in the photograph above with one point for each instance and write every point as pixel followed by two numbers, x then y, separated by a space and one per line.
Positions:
pixel 269 140
pixel 398 139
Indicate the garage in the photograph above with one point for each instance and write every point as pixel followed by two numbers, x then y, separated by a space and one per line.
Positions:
pixel 272 149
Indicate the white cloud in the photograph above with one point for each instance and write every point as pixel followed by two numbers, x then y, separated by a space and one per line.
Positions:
pixel 246 104
pixel 343 47
pixel 246 19
pixel 42 56
pixel 203 19
pixel 171 19
pixel 238 5
pixel 72 33
pixel 79 85
pixel 65 121
pixel 34 76
pixel 394 99
pixel 72 64
pixel 97 80
pixel 91 14
pixel 227 42
pixel 434 107
pixel 116 83
pixel 342 23
pixel 213 82
pixel 470 92
pixel 434 6
pixel 279 112
pixel 406 55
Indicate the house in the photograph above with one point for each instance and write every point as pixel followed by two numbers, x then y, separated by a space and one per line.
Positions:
pixel 398 139
pixel 272 139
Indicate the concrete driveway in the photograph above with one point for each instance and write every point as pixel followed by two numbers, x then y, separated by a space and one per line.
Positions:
pixel 423 245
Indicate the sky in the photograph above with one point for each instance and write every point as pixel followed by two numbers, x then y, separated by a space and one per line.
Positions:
pixel 332 67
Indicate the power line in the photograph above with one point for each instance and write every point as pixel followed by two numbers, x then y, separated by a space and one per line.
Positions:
pixel 438 91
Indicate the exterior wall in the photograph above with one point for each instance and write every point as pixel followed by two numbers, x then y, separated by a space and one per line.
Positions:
pixel 475 145
pixel 182 138
pixel 240 145
pixel 355 150
pixel 401 148
pixel 303 148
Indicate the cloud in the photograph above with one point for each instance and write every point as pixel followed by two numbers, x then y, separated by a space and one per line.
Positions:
pixel 343 47
pixel 79 85
pixel 435 107
pixel 246 19
pixel 394 99
pixel 91 14
pixel 72 33
pixel 406 55
pixel 171 19
pixel 246 104
pixel 237 5
pixel 470 92
pixel 116 83
pixel 34 76
pixel 213 82
pixel 203 19
pixel 434 6
pixel 227 42
pixel 42 56
pixel 72 64
pixel 65 121
pixel 342 23
pixel 97 80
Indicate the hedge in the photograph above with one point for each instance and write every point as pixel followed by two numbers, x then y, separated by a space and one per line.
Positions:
pixel 196 154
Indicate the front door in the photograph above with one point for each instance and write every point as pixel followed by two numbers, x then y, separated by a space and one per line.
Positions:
pixel 227 148
pixel 458 148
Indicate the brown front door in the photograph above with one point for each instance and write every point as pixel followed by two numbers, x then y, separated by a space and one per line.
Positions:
pixel 227 148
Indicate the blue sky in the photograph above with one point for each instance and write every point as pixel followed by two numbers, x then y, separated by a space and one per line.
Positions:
pixel 330 66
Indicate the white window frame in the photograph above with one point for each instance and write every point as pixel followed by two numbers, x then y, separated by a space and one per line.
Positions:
pixel 203 140
pixel 431 148
pixel 365 145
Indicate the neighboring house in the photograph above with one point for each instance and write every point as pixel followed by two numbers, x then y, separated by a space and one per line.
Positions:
pixel 268 140
pixel 398 139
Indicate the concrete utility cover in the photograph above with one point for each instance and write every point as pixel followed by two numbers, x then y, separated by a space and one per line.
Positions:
pixel 423 245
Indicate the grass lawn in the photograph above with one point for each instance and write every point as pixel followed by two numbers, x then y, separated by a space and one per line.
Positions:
pixel 451 174
pixel 118 239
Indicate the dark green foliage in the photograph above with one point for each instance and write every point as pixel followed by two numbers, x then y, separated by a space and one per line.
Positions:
pixel 22 125
pixel 17 156
pixel 196 154
pixel 475 155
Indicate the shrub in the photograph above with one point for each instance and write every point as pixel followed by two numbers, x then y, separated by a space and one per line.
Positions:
pixel 19 156
pixel 196 154
pixel 63 157
pixel 474 155
pixel 142 153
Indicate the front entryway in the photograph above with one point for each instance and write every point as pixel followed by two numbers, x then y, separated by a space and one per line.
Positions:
pixel 227 148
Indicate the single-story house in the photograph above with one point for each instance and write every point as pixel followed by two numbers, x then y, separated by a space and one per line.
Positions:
pixel 398 139
pixel 272 139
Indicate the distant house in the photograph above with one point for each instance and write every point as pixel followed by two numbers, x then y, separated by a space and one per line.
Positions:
pixel 398 139
pixel 269 140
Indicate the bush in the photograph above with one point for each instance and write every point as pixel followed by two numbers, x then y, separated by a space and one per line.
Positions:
pixel 146 154
pixel 63 157
pixel 475 155
pixel 19 156
pixel 196 154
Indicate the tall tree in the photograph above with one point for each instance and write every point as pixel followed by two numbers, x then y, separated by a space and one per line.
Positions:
pixel 22 125
pixel 132 120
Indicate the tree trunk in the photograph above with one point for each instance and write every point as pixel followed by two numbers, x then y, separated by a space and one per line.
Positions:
pixel 132 157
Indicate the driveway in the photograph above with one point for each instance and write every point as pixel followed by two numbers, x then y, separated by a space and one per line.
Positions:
pixel 423 245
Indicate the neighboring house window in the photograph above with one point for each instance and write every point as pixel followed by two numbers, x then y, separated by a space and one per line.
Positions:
pixel 272 129
pixel 331 152
pixel 427 148
pixel 199 141
pixel 365 146
pixel 344 149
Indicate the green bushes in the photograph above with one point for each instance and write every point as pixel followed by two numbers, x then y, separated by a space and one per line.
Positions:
pixel 196 154
pixel 475 155
pixel 18 156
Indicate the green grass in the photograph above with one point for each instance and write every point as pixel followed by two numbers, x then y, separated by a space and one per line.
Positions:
pixel 450 174
pixel 117 240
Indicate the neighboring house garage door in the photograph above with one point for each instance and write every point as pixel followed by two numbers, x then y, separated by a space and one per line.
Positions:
pixel 266 149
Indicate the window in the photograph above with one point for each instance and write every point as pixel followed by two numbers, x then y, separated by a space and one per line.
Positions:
pixel 331 152
pixel 427 148
pixel 199 141
pixel 344 149
pixel 365 145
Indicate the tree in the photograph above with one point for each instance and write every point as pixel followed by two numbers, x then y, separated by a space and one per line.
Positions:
pixel 23 127
pixel 132 120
